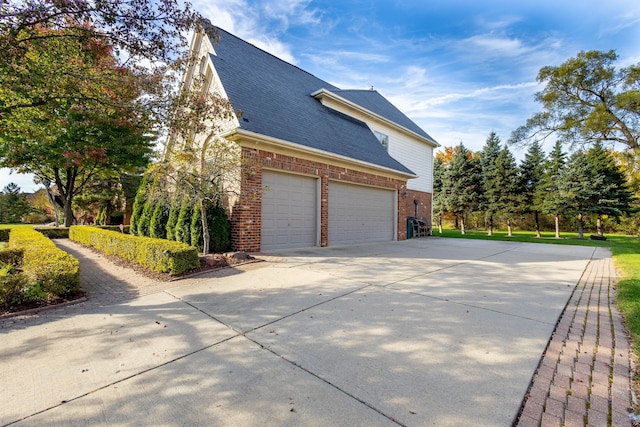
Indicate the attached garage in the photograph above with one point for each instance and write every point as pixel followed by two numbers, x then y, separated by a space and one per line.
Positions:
pixel 360 214
pixel 289 211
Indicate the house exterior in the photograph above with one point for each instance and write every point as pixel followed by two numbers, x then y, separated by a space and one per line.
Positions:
pixel 329 166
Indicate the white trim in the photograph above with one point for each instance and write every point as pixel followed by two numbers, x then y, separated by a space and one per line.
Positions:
pixel 324 93
pixel 237 133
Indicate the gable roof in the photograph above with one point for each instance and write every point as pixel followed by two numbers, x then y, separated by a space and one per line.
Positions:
pixel 275 100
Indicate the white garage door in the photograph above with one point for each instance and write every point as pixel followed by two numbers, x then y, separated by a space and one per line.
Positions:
pixel 359 214
pixel 288 211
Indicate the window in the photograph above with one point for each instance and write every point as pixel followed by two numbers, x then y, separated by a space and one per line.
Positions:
pixel 384 139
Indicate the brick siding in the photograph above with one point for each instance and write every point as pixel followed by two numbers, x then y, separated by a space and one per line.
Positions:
pixel 247 211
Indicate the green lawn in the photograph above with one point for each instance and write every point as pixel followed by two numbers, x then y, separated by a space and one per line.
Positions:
pixel 626 257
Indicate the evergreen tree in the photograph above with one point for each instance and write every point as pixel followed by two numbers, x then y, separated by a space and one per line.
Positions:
pixel 173 219
pixel 13 204
pixel 183 223
pixel 552 201
pixel 145 218
pixel 488 157
pixel 196 229
pixel 138 204
pixel 220 229
pixel 531 172
pixel 158 224
pixel 614 196
pixel 439 196
pixel 580 188
pixel 464 185
pixel 509 198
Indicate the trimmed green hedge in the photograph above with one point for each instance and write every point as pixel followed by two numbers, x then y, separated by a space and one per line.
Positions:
pixel 54 232
pixel 159 255
pixel 11 256
pixel 114 228
pixel 54 272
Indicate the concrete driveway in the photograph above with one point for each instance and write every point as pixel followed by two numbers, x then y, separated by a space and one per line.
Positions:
pixel 422 332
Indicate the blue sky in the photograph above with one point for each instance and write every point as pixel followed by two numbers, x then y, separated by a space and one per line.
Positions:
pixel 458 68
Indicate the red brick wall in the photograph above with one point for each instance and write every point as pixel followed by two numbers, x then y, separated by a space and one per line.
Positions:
pixel 424 204
pixel 246 213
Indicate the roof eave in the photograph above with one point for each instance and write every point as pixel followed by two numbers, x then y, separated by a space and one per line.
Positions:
pixel 325 93
pixel 239 135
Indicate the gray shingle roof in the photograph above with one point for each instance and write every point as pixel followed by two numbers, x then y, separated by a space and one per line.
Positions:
pixel 376 103
pixel 275 100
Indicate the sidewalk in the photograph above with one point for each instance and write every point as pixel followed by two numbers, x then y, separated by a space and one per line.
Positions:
pixel 583 377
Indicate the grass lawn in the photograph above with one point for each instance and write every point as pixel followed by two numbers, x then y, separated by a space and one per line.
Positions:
pixel 626 258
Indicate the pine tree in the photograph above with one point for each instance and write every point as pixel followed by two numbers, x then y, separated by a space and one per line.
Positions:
pixel 439 196
pixel 488 157
pixel 614 196
pixel 580 188
pixel 509 198
pixel 552 201
pixel 464 185
pixel 531 172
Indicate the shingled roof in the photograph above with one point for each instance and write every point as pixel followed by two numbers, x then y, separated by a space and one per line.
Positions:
pixel 276 100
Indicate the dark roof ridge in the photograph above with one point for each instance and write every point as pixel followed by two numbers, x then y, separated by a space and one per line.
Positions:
pixel 222 30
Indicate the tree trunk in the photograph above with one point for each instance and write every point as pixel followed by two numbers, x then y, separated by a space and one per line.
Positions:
pixel 462 230
pixel 440 224
pixel 580 226
pixel 490 226
pixel 68 213
pixel 557 221
pixel 509 227
pixel 54 205
pixel 205 227
pixel 537 219
pixel 457 225
pixel 599 226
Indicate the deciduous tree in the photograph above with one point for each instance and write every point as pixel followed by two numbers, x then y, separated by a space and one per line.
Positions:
pixel 70 141
pixel 585 100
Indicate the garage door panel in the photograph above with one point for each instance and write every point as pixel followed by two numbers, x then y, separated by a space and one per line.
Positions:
pixel 288 211
pixel 359 214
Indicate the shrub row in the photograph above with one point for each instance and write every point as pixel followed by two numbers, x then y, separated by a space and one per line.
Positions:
pixel 159 255
pixel 54 232
pixel 49 272
pixel 12 257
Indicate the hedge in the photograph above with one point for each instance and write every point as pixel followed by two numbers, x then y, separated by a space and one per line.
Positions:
pixel 11 256
pixel 54 232
pixel 55 272
pixel 159 255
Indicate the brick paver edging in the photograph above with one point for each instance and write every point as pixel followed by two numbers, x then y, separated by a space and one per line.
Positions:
pixel 584 375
